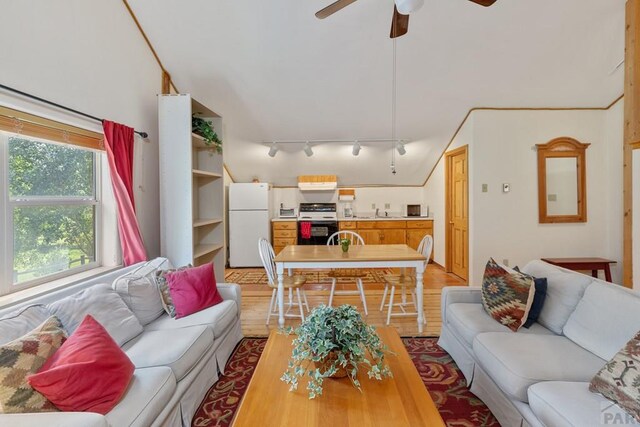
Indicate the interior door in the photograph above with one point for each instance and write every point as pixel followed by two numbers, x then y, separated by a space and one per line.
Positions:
pixel 457 212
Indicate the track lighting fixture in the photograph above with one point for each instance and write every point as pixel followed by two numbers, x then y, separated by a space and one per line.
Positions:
pixel 273 150
pixel 307 149
pixel 356 148
pixel 400 147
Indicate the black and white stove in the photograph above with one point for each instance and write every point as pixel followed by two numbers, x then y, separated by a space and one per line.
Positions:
pixel 316 222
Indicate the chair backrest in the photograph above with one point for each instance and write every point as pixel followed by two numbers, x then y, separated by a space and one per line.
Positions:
pixel 354 237
pixel 425 247
pixel 266 256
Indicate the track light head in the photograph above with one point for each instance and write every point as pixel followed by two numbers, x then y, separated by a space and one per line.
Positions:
pixel 307 150
pixel 273 150
pixel 356 148
pixel 400 147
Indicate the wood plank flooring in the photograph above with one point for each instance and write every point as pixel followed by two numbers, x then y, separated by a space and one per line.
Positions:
pixel 256 297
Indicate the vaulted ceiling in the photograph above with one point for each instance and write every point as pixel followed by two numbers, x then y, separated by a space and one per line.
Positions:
pixel 275 72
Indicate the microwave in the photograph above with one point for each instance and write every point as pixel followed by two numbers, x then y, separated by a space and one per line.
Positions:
pixel 288 213
pixel 416 210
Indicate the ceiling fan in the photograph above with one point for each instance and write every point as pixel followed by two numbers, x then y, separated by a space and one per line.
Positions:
pixel 401 11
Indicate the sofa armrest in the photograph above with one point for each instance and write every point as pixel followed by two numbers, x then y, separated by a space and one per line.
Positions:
pixel 231 291
pixel 54 419
pixel 459 294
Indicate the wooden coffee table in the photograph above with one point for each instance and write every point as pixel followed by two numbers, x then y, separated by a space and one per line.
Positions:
pixel 399 401
pixel 584 264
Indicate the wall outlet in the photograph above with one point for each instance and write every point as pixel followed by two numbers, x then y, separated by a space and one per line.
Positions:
pixel 373 205
pixel 387 205
pixel 506 188
pixel 505 262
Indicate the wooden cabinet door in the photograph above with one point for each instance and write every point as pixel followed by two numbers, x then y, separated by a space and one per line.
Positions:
pixel 393 237
pixel 414 237
pixel 371 237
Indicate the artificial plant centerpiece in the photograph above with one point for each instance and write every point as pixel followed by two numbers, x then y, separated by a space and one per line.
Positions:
pixel 335 342
pixel 204 128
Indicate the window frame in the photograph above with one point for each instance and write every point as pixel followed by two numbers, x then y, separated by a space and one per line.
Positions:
pixel 7 286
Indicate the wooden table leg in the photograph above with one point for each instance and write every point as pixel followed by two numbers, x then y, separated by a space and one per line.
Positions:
pixel 607 273
pixel 594 273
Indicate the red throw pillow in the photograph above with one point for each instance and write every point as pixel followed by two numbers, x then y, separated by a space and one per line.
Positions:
pixel 89 373
pixel 193 289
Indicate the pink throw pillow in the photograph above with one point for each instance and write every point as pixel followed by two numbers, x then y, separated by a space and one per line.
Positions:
pixel 89 373
pixel 193 289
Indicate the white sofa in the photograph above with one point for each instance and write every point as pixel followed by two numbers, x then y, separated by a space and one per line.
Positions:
pixel 540 376
pixel 176 361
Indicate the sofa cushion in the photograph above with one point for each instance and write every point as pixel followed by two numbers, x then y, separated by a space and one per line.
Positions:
pixel 218 318
pixel 89 373
pixel 469 320
pixel 22 321
pixel 605 319
pixel 570 404
pixel 619 379
pixel 507 295
pixel 138 290
pixel 23 357
pixel 149 392
pixel 103 304
pixel 516 361
pixel 564 290
pixel 193 289
pixel 179 350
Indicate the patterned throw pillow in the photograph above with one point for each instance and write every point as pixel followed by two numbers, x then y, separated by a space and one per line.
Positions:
pixel 23 357
pixel 619 380
pixel 507 296
pixel 163 288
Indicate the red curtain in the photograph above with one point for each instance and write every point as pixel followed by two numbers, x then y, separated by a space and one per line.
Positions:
pixel 119 146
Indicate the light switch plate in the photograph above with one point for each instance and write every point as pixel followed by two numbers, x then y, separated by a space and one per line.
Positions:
pixel 387 205
pixel 506 188
pixel 485 188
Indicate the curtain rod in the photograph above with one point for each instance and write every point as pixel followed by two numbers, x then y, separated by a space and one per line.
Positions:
pixel 80 113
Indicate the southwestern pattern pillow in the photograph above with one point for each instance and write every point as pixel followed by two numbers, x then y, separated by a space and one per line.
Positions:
pixel 619 380
pixel 23 357
pixel 163 288
pixel 507 296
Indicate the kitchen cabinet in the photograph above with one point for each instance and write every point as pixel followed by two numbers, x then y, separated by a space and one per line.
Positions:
pixel 284 233
pixel 387 232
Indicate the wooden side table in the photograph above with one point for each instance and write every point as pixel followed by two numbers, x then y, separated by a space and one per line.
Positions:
pixel 579 264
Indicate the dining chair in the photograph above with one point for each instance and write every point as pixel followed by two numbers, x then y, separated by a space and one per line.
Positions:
pixel 407 283
pixel 291 282
pixel 348 273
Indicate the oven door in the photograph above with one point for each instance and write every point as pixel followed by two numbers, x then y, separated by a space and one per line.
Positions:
pixel 315 232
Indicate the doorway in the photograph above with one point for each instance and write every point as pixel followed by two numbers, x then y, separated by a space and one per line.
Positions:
pixel 457 212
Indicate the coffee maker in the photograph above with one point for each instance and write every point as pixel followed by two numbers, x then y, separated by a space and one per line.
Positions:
pixel 347 210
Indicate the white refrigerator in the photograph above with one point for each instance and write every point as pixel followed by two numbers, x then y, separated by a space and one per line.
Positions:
pixel 249 206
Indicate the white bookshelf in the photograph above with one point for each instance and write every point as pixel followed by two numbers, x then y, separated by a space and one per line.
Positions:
pixel 191 186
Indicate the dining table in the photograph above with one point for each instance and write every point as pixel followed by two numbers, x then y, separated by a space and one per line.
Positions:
pixel 358 256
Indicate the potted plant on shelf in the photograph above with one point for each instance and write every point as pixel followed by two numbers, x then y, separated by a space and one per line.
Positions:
pixel 336 341
pixel 204 128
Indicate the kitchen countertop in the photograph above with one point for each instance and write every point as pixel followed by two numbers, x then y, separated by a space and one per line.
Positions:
pixel 382 218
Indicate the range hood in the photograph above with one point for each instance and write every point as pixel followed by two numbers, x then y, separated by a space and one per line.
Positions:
pixel 317 182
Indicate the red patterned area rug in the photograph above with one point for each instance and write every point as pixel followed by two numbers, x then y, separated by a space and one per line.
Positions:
pixel 457 406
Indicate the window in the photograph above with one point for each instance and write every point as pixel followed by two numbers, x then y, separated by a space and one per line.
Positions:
pixel 51 210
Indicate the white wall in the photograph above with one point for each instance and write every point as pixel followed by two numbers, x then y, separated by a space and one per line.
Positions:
pixel 505 225
pixel 396 197
pixel 90 56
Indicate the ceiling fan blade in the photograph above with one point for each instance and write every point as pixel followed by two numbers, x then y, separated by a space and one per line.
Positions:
pixel 485 3
pixel 399 24
pixel 333 8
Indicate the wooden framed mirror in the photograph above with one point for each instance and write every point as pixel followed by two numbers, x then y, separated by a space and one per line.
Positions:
pixel 562 181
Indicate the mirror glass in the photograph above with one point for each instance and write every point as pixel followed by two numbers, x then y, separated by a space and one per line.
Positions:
pixel 562 181
pixel 562 185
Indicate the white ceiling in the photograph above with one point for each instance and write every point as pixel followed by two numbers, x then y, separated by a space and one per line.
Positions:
pixel 275 72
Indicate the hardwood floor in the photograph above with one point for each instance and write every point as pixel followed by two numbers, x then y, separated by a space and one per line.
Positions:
pixel 256 297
